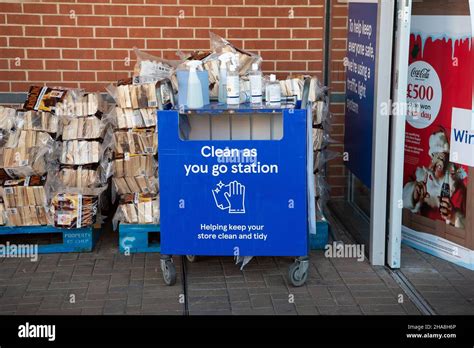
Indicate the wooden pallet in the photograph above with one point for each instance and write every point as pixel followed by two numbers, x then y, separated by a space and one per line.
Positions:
pixel 73 240
pixel 134 238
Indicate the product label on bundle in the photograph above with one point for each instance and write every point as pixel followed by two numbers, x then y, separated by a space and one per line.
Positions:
pixel 64 219
pixel 240 198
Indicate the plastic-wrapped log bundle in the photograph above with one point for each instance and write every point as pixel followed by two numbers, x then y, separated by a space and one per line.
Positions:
pixel 25 153
pixel 41 121
pixel 139 209
pixel 135 164
pixel 81 164
pixel 24 159
pixel 321 140
pixel 7 120
pixel 25 201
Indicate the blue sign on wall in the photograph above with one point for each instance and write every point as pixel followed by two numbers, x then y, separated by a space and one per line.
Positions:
pixel 360 87
pixel 233 197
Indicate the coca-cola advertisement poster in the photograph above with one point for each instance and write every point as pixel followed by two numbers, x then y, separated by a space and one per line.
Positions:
pixel 439 80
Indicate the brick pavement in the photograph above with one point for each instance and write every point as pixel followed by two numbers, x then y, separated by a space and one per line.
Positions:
pixel 101 282
pixel 446 287
pixel 106 282
pixel 334 286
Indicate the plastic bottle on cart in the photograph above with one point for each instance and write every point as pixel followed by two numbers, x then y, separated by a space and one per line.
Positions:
pixel 194 95
pixel 273 92
pixel 233 86
pixel 223 58
pixel 255 77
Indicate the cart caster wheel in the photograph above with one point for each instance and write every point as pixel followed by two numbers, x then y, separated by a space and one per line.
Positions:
pixel 191 258
pixel 169 272
pixel 297 274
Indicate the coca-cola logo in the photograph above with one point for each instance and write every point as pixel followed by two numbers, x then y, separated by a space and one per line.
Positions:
pixel 423 73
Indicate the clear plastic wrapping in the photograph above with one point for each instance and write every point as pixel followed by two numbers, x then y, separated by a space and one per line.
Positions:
pixel 25 202
pixel 143 95
pixel 37 121
pixel 74 128
pixel 135 96
pixel 71 210
pixel 149 68
pixel 318 135
pixel 80 177
pixel 325 156
pixel 321 127
pixel 25 153
pixel 80 152
pixel 211 61
pixel 220 45
pixel 29 138
pixel 137 141
pixel 7 120
pixel 138 209
pixel 126 118
pixel 292 87
pixel 78 104
pixel 322 196
pixel 135 165
pixel 24 192
pixel 320 112
pixel 7 117
pixel 316 91
pixel 87 180
pixel 27 216
pixel 135 184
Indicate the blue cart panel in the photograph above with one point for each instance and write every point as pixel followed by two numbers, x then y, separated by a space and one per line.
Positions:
pixel 234 197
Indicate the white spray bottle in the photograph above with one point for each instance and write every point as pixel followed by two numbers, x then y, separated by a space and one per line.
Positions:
pixel 255 77
pixel 194 98
pixel 233 86
pixel 223 58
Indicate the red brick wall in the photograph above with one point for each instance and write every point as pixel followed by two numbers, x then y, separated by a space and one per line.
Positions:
pixel 88 43
pixel 336 171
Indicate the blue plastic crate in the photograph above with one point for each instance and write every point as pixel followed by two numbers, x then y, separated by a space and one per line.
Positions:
pixel 319 240
pixel 133 238
pixel 73 240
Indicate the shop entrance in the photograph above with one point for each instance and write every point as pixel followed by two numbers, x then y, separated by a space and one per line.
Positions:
pixel 374 136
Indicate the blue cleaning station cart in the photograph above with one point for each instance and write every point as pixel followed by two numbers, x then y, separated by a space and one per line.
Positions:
pixel 236 182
